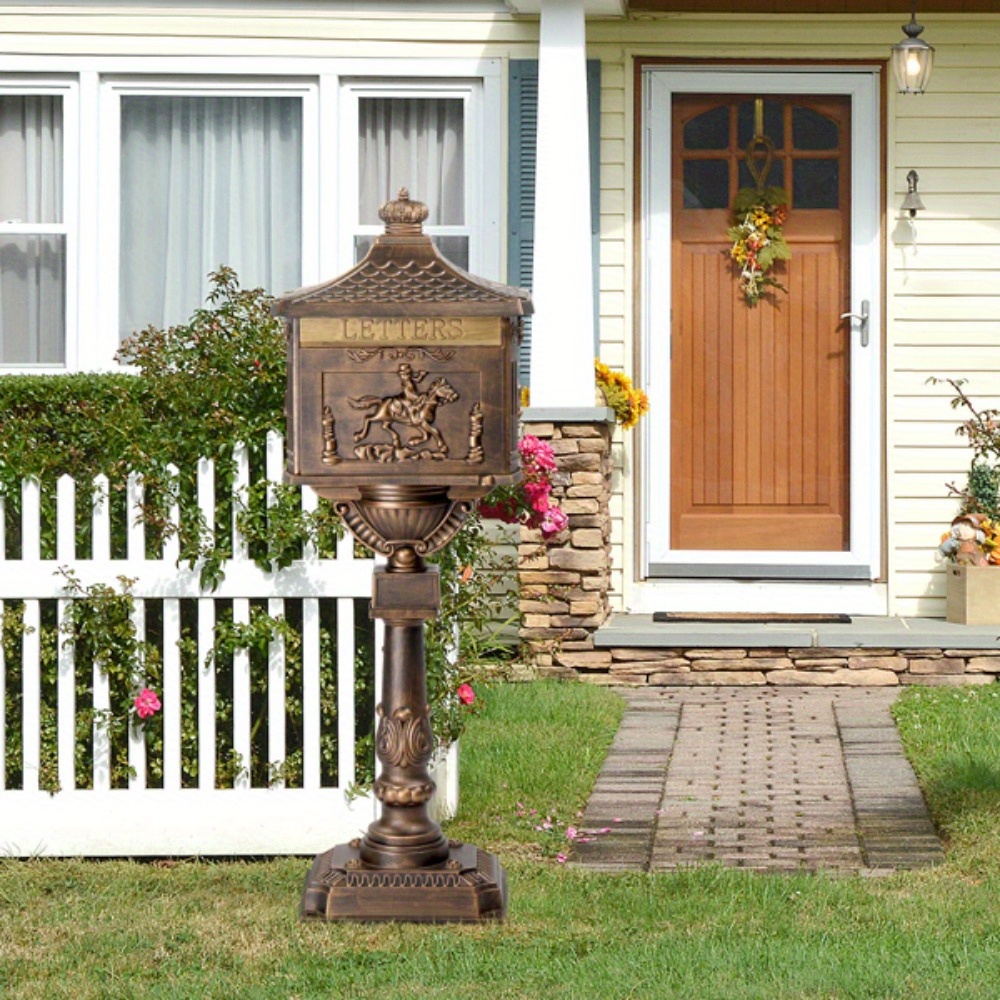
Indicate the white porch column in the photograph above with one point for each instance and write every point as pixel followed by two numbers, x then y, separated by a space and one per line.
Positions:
pixel 562 338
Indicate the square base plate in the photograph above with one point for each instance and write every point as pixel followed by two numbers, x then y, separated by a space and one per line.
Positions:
pixel 469 887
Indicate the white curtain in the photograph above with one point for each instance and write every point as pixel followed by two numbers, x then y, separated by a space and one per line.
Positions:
pixel 206 181
pixel 416 143
pixel 32 266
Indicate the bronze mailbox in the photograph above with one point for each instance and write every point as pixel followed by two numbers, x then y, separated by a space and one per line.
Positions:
pixel 403 371
pixel 402 409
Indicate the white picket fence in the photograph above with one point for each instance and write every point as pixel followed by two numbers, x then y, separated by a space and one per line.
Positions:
pixel 173 818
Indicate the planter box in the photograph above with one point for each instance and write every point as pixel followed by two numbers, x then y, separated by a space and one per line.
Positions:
pixel 444 774
pixel 973 595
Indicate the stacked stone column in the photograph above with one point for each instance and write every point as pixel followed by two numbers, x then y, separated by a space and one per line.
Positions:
pixel 564 581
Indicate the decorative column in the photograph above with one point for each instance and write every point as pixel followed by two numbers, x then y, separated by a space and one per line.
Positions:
pixel 564 583
pixel 562 338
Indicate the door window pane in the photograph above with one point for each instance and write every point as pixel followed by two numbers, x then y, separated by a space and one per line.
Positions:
pixel 706 184
pixel 815 184
pixel 709 130
pixel 811 130
pixel 206 181
pixel 32 265
pixel 417 143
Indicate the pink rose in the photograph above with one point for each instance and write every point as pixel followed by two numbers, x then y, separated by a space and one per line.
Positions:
pixel 540 504
pixel 528 445
pixel 465 694
pixel 505 510
pixel 553 522
pixel 535 492
pixel 147 703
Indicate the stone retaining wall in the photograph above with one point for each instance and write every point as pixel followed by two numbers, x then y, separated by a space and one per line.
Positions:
pixel 564 584
pixel 811 667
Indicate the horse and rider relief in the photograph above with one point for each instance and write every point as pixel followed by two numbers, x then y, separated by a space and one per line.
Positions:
pixel 413 409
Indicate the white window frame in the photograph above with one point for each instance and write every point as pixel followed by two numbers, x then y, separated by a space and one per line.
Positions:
pixel 481 158
pixel 113 89
pixel 67 89
pixel 92 87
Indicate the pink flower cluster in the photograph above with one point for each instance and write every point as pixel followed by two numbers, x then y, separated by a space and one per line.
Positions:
pixel 147 704
pixel 551 826
pixel 530 502
pixel 465 694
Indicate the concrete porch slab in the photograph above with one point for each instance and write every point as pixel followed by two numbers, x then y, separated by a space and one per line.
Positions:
pixel 635 630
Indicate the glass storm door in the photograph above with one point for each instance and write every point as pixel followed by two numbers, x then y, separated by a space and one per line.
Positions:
pixel 760 398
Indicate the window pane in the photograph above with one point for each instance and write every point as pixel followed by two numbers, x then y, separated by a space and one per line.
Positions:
pixel 417 143
pixel 811 130
pixel 30 158
pixel 815 184
pixel 32 299
pixel 207 181
pixel 706 184
pixel 709 130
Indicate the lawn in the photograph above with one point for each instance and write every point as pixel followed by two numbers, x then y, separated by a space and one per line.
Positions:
pixel 202 929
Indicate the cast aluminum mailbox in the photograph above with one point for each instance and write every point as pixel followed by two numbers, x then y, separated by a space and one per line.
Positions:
pixel 403 371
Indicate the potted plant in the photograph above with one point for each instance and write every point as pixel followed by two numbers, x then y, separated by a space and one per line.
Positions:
pixel 971 547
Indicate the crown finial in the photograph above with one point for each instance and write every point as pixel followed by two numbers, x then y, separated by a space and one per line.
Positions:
pixel 403 217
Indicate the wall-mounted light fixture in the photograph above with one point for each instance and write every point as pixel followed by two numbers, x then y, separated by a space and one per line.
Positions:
pixel 912 202
pixel 912 58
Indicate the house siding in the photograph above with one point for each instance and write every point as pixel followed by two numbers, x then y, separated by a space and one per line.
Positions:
pixel 942 303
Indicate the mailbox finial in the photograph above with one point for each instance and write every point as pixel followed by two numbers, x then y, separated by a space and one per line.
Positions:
pixel 403 217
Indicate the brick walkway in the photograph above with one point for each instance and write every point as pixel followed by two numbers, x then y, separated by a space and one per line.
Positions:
pixel 783 779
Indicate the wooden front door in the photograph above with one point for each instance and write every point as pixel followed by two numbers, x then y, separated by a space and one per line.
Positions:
pixel 760 395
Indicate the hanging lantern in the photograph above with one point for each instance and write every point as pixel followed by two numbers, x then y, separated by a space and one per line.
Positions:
pixel 912 58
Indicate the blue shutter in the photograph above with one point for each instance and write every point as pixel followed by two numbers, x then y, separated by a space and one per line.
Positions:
pixel 521 182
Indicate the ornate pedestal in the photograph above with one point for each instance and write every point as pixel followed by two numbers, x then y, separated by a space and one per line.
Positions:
pixel 404 868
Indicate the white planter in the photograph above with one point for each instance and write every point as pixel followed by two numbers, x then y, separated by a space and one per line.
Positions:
pixel 444 774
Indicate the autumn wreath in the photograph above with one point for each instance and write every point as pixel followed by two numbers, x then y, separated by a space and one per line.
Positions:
pixel 758 242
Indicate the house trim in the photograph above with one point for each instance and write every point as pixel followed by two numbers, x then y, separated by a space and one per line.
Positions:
pixel 867 282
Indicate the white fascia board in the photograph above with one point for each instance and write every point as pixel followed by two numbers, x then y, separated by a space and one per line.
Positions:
pixel 592 8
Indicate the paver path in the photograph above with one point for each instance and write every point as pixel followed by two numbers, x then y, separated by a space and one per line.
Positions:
pixel 774 779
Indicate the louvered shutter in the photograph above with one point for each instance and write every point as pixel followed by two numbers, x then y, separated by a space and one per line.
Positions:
pixel 521 182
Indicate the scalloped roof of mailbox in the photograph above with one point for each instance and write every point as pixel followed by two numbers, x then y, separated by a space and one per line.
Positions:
pixel 403 274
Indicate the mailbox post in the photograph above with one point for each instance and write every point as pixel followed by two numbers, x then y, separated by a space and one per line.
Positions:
pixel 402 409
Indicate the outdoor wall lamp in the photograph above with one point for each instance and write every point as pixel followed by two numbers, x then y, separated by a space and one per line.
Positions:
pixel 912 202
pixel 912 58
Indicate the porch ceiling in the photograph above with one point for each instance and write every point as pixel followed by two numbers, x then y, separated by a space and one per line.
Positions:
pixel 901 7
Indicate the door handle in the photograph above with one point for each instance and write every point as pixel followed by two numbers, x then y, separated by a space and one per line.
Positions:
pixel 862 319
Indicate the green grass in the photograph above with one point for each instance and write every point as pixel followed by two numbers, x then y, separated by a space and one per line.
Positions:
pixel 952 736
pixel 200 929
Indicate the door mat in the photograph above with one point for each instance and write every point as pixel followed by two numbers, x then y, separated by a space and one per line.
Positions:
pixel 750 618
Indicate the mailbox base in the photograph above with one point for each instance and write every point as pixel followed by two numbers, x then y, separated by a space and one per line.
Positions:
pixel 470 887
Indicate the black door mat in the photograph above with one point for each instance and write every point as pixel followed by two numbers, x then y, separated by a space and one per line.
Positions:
pixel 749 618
